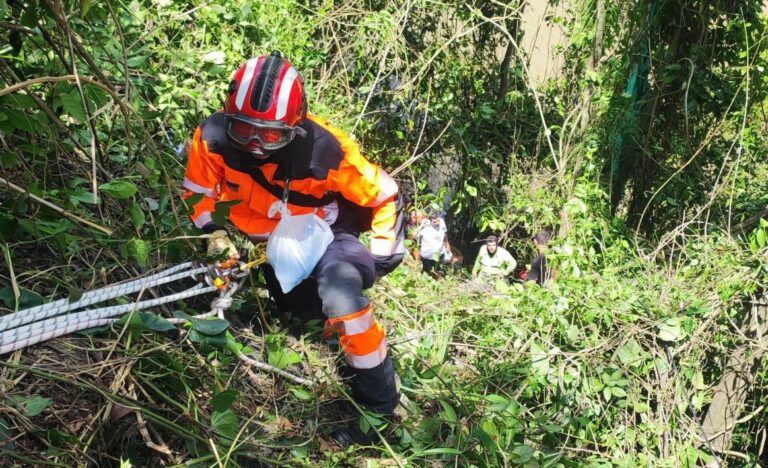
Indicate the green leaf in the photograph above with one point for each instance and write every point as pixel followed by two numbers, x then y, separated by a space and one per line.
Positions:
pixel 618 392
pixel 281 357
pixel 134 322
pixel 3 12
pixel 6 442
pixel 471 190
pixel 138 249
pixel 74 294
pixel 224 423
pixel 539 360
pixel 137 60
pixel 301 394
pixel 119 189
pixel 9 160
pixel 82 197
pixel 630 353
pixel 73 105
pixel 29 17
pixel 522 454
pixel 36 405
pixel 669 329
pixel 449 414
pixel 441 451
pixel 27 298
pixel 85 6
pixel 155 322
pixel 210 327
pixel 221 212
pixel 137 215
pixel 222 401
pixel 191 201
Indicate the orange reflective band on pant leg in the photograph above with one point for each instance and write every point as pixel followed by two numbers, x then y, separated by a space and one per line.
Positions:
pixel 363 343
pixel 350 324
pixel 361 337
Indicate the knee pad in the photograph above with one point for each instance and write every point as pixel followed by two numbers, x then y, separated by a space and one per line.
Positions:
pixel 340 286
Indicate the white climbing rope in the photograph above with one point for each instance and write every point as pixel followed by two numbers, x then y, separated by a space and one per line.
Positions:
pixel 44 322
pixel 54 319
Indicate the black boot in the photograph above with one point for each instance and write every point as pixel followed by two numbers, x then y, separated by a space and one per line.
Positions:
pixel 353 432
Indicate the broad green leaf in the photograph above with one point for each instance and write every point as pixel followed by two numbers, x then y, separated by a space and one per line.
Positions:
pixel 281 357
pixel 85 6
pixel 449 414
pixel 224 423
pixel 522 454
pixel 191 201
pixel 36 405
pixel 471 190
pixel 669 329
pixel 221 212
pixel 3 7
pixel 134 322
pixel 618 392
pixel 137 60
pixel 119 189
pixel 155 322
pixel 137 215
pixel 73 105
pixel 301 394
pixel 27 298
pixel 222 401
pixel 74 294
pixel 630 353
pixel 82 197
pixel 210 327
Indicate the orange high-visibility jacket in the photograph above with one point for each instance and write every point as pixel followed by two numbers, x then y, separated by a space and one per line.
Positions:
pixel 327 175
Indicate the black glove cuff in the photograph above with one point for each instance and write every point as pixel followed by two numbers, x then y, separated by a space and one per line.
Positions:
pixel 387 263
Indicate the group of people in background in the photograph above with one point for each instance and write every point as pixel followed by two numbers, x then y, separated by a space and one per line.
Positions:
pixel 493 262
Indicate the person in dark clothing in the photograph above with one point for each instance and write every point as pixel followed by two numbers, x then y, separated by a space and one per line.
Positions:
pixel 539 271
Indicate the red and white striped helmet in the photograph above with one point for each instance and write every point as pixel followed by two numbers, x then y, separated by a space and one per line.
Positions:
pixel 265 105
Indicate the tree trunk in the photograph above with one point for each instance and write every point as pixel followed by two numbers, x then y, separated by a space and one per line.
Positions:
pixel 733 389
pixel 594 60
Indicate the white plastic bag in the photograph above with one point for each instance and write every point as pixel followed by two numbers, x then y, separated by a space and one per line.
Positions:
pixel 295 247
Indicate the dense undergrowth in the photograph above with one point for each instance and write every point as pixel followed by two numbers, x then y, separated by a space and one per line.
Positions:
pixel 655 192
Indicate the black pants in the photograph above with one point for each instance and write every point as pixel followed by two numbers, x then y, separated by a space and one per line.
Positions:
pixel 335 289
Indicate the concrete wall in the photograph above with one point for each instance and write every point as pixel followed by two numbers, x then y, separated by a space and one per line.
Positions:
pixel 540 39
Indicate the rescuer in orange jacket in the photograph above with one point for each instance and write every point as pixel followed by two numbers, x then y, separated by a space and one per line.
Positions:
pixel 264 146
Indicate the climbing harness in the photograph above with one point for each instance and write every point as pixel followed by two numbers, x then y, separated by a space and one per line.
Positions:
pixel 44 322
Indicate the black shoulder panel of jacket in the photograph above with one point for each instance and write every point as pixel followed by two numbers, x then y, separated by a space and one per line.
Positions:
pixel 311 156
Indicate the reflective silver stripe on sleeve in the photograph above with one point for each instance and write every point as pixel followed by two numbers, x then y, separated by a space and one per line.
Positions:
pixel 191 186
pixel 387 187
pixel 203 219
pixel 382 246
pixel 370 360
pixel 285 92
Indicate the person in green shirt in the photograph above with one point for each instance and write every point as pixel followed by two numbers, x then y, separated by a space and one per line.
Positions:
pixel 493 262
